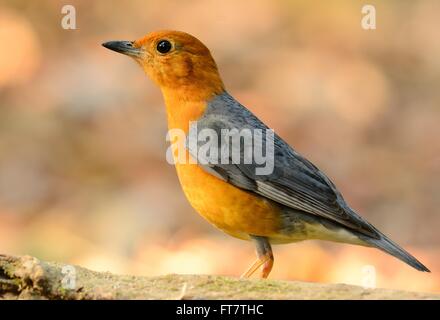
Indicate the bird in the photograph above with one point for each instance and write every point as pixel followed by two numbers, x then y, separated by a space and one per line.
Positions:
pixel 296 201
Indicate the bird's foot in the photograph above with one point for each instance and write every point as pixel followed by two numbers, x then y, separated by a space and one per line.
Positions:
pixel 266 261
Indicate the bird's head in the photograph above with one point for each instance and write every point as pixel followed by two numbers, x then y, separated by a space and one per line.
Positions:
pixel 175 61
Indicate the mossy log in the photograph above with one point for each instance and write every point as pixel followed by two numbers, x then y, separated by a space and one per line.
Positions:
pixel 26 277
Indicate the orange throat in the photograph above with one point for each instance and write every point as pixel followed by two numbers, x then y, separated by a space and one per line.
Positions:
pixel 181 110
pixel 230 209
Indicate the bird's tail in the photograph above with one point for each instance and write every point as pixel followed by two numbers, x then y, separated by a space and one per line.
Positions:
pixel 387 245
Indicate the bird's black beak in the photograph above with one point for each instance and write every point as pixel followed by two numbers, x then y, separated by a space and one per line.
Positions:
pixel 124 47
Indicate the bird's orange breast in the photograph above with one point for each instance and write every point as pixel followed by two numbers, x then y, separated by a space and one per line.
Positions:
pixel 235 211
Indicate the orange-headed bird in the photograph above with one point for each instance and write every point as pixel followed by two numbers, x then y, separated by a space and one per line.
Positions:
pixel 295 201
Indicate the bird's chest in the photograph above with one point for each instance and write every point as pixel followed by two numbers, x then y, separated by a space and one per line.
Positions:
pixel 235 211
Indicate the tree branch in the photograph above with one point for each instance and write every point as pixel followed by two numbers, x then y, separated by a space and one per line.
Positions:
pixel 29 278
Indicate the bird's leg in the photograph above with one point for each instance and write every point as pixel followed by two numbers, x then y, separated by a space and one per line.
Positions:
pixel 264 257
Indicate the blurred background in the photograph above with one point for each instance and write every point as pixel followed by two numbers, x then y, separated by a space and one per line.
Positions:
pixel 83 175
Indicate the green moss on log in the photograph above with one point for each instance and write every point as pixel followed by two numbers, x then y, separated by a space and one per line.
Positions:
pixel 29 278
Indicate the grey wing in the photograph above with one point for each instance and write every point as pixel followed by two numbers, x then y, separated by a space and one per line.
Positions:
pixel 294 181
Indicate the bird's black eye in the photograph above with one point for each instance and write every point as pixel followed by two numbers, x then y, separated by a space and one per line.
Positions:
pixel 163 46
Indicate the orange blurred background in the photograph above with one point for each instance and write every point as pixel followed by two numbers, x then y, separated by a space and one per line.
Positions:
pixel 83 176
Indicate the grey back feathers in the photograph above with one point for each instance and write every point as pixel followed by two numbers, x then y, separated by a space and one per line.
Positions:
pixel 294 183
